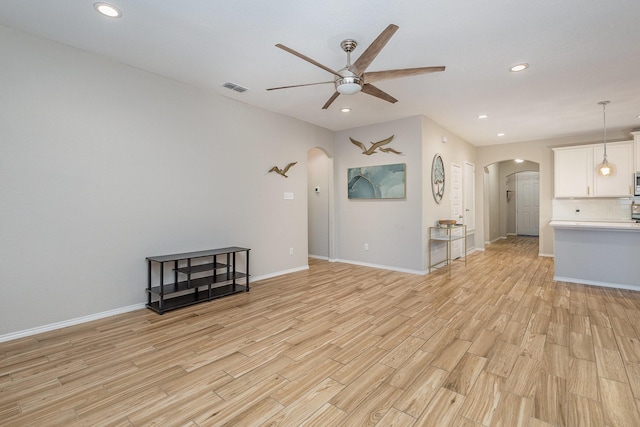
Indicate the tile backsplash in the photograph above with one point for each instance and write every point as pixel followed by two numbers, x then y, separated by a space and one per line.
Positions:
pixel 592 209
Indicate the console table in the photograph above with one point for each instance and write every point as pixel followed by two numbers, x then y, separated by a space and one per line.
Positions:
pixel 197 277
pixel 447 235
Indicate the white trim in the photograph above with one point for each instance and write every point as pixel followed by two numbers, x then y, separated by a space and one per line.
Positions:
pixel 70 322
pixel 325 258
pixel 495 240
pixel 383 267
pixel 594 283
pixel 546 255
pixel 278 273
pixel 469 203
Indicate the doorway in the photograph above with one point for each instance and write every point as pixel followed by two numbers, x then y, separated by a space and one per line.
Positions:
pixel 527 203
pixel 503 217
pixel 320 204
pixel 456 208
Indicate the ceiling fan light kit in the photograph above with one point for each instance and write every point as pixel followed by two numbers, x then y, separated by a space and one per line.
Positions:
pixel 353 78
pixel 349 85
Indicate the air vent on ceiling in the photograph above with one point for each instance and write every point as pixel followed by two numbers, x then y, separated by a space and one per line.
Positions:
pixel 235 87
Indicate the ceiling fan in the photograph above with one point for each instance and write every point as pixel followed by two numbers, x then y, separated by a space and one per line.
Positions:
pixel 353 78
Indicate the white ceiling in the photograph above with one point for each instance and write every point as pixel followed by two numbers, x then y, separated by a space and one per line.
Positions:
pixel 580 51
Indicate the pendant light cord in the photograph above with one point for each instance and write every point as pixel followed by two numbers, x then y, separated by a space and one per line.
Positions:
pixel 604 120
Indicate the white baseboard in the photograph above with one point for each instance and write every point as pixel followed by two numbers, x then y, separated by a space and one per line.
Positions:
pixel 70 322
pixel 278 273
pixel 595 283
pixel 547 255
pixel 495 240
pixel 383 267
pixel 324 258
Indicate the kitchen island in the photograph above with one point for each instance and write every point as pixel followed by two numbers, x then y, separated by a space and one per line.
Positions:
pixel 601 253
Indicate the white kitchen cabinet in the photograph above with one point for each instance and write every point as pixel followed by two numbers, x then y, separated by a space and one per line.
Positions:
pixel 575 170
pixel 636 139
pixel 620 155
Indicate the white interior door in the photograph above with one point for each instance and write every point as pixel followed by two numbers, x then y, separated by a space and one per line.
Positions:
pixel 528 203
pixel 456 207
pixel 469 198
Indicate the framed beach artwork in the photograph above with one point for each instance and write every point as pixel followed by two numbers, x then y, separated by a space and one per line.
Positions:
pixel 377 182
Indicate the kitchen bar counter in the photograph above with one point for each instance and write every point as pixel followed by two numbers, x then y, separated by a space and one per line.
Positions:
pixel 601 253
pixel 597 225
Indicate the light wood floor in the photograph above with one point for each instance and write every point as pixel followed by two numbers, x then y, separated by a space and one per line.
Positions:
pixel 497 344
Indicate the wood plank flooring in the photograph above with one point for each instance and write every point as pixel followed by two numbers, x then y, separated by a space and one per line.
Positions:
pixel 498 343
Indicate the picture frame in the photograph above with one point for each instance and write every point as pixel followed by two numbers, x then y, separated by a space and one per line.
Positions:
pixel 377 182
pixel 437 178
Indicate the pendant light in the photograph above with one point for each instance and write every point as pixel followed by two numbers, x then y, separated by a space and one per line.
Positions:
pixel 605 168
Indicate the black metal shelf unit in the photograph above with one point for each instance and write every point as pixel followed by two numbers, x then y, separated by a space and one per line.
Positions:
pixel 215 278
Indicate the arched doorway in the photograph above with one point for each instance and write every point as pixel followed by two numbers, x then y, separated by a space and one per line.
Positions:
pixel 320 204
pixel 501 199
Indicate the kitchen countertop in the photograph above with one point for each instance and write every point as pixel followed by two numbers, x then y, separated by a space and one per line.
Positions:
pixel 597 225
pixel 599 253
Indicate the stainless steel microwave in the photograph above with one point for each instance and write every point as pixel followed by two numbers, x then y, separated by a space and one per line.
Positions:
pixel 636 184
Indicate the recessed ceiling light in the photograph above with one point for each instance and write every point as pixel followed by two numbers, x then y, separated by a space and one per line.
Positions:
pixel 483 116
pixel 345 110
pixel 501 134
pixel 108 10
pixel 519 67
pixel 519 161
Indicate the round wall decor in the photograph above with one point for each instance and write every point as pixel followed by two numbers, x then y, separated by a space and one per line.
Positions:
pixel 437 178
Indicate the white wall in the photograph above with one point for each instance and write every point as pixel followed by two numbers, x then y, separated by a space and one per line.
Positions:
pixel 395 230
pixel 102 165
pixel 391 227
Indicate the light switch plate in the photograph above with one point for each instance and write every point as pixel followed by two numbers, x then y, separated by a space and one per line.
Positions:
pixel 288 196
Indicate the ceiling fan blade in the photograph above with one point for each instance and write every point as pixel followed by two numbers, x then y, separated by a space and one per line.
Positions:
pixel 373 50
pixel 307 84
pixel 306 58
pixel 374 91
pixel 333 98
pixel 377 76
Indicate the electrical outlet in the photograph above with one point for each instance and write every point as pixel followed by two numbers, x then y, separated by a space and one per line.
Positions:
pixel 291 251
pixel 366 246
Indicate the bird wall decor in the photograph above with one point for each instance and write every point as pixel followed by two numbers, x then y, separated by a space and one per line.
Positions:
pixel 284 171
pixel 375 146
